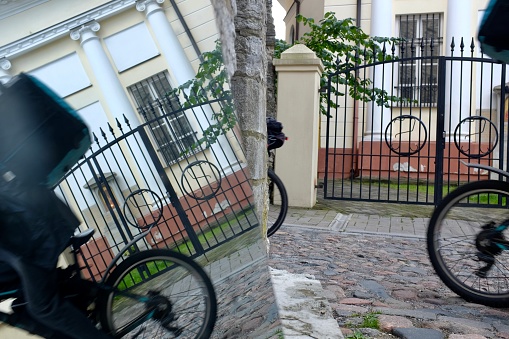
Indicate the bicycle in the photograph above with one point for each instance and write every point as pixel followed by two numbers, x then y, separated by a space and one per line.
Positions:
pixel 155 293
pixel 278 197
pixel 466 240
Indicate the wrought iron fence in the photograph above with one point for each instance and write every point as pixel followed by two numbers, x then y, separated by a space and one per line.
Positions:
pixel 442 111
pixel 206 195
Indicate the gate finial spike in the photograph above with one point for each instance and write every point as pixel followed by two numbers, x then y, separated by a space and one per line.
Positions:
pixel 452 45
pixel 103 134
pixel 119 125
pixel 95 138
pixel 127 121
pixel 462 45
pixel 112 131
pixel 472 46
pixel 393 49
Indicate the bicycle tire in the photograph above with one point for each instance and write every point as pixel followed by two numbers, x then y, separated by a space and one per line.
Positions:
pixel 191 310
pixel 278 203
pixel 453 243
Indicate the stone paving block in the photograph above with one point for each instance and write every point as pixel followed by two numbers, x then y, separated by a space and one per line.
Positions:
pixel 418 314
pixel 413 333
pixel 467 322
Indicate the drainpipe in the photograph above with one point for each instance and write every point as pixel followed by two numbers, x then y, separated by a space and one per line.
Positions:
pixel 297 12
pixel 187 30
pixel 354 168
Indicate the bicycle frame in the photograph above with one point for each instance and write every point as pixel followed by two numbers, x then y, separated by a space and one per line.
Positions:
pixel 121 253
pixel 83 293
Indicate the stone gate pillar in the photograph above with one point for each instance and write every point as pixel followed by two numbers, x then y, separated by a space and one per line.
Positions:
pixel 298 108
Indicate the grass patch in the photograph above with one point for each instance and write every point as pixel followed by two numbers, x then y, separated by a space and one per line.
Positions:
pixel 367 320
pixel 186 247
pixel 142 272
pixel 370 320
pixel 409 186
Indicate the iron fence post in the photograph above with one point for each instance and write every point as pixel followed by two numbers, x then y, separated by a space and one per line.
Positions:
pixel 171 191
pixel 440 133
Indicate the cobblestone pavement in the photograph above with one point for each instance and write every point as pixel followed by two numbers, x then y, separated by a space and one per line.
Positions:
pixel 246 306
pixel 376 265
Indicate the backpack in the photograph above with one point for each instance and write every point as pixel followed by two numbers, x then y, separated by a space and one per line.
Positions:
pixel 275 136
pixel 41 136
pixel 492 34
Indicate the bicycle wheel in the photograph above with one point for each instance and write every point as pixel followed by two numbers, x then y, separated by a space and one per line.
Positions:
pixel 278 203
pixel 158 294
pixel 461 242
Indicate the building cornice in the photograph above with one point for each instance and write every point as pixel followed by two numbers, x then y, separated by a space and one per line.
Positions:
pixel 35 40
pixel 13 7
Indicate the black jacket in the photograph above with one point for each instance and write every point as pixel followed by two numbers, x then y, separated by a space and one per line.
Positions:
pixel 34 223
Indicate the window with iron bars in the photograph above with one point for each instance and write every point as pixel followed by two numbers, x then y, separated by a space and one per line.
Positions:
pixel 168 123
pixel 418 74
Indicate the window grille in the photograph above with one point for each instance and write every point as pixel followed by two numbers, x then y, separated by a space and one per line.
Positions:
pixel 418 73
pixel 168 122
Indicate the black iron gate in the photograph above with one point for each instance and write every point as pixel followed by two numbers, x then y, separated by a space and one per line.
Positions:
pixel 440 112
pixel 205 194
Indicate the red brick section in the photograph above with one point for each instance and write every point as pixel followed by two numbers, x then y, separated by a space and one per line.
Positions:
pixel 235 189
pixel 376 159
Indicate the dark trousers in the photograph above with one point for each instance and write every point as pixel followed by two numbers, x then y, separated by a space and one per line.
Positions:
pixel 47 314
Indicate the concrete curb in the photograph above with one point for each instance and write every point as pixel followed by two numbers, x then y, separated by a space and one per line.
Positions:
pixel 303 308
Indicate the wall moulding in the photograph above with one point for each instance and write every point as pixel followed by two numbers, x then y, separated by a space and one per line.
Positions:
pixel 45 36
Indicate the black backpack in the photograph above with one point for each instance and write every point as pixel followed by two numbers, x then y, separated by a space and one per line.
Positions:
pixel 275 136
pixel 492 34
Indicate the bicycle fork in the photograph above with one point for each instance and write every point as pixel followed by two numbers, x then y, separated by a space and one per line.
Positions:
pixel 490 242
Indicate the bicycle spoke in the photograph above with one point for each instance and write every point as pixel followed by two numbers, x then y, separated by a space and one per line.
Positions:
pixel 177 292
pixel 462 242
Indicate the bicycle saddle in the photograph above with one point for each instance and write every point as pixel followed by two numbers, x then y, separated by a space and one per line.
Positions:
pixel 80 239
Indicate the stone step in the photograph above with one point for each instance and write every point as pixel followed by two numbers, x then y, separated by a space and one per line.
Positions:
pixel 303 308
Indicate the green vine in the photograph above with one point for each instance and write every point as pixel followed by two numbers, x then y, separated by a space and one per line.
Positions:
pixel 210 85
pixel 342 46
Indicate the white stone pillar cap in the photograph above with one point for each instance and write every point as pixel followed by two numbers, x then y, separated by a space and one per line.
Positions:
pixel 299 54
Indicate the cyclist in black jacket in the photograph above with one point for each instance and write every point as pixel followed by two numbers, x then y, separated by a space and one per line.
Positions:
pixel 35 227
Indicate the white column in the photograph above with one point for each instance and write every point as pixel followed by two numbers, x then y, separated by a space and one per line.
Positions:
pixel 113 92
pixel 182 70
pixel 381 25
pixel 5 65
pixel 167 40
pixel 458 26
pixel 107 79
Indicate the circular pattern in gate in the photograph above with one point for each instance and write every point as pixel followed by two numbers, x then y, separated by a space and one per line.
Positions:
pixel 143 208
pixel 476 136
pixel 201 180
pixel 406 135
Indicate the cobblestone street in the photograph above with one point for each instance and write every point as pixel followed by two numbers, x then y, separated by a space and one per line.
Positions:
pixel 382 271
